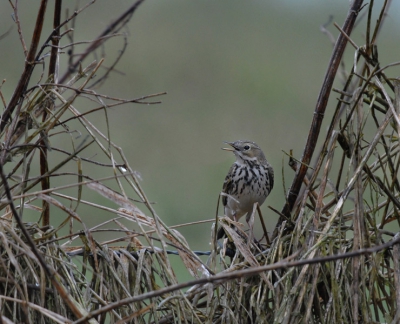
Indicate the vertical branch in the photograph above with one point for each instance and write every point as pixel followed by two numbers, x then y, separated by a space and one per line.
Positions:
pixel 53 66
pixel 396 275
pixel 320 109
pixel 53 71
pixel 358 207
pixel 17 21
pixel 29 66
pixel 378 25
pixel 368 31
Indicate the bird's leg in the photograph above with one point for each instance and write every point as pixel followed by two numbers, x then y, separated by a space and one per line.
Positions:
pixel 234 216
pixel 250 223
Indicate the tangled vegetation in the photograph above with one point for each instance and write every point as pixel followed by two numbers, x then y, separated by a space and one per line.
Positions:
pixel 333 257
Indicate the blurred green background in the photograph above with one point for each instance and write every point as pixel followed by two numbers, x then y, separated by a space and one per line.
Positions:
pixel 232 69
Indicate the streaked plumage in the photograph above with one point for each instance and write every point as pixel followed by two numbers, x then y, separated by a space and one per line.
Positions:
pixel 249 180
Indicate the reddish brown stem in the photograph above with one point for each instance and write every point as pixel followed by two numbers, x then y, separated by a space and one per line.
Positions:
pixel 44 167
pixel 29 66
pixel 320 109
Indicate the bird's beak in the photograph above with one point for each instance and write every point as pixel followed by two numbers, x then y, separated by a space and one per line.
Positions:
pixel 228 148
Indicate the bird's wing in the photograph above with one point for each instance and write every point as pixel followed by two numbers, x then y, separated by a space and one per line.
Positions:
pixel 228 184
pixel 271 178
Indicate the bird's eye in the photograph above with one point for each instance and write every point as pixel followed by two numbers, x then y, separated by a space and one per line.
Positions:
pixel 247 147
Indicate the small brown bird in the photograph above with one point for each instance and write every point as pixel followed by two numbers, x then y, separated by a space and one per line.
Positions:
pixel 249 181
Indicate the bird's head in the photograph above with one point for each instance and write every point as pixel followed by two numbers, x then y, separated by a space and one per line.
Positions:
pixel 245 151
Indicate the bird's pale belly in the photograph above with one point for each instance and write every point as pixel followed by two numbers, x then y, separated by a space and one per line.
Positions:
pixel 239 205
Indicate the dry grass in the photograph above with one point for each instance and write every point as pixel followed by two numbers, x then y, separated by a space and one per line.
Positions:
pixel 333 257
